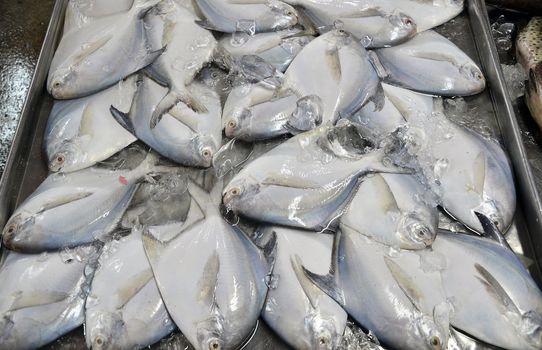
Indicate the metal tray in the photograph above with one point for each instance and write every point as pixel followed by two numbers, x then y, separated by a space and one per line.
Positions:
pixel 26 166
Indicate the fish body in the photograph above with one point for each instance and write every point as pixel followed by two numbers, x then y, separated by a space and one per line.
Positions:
pixel 182 135
pixel 432 64
pixel 371 23
pixel 220 284
pixel 494 286
pixel 227 17
pixel 295 308
pixel 87 60
pixel 124 309
pixel 81 12
pixel 529 54
pixel 397 213
pixel 305 181
pixel 41 296
pixel 67 210
pixel 82 132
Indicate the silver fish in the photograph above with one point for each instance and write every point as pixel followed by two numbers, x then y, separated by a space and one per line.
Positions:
pixel 246 15
pixel 67 210
pixel 81 12
pixel 432 64
pixel 188 47
pixel 376 287
pixel 486 281
pixel 87 60
pixel 278 48
pixel 182 135
pixel 220 284
pixel 305 181
pixel 295 308
pixel 41 296
pixel 391 209
pixel 82 132
pixel 369 21
pixel 124 309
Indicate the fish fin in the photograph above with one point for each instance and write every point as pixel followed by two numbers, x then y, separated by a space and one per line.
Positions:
pixel 284 181
pixel 90 48
pixel 329 283
pixel 269 249
pixel 207 25
pixel 65 199
pixel 491 231
pixel 32 299
pixel 123 119
pixel 209 280
pixel 137 283
pixel 142 7
pixel 365 12
pixel 389 203
pixel 152 56
pixel 311 290
pixel 307 115
pixel 379 99
pixel 85 127
pixel 152 244
pixel 334 63
pixel 434 56
pixel 185 117
pixel 381 71
pixel 495 290
pixel 171 99
pixel 479 173
pixel 405 282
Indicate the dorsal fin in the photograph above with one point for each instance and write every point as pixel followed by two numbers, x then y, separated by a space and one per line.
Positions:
pixel 496 290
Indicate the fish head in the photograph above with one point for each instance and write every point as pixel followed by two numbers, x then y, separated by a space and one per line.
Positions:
pixel 107 331
pixel 473 78
pixel 285 15
pixel 323 333
pixel 239 123
pixel 531 328
pixel 415 232
pixel 65 157
pixel 21 230
pixel 210 334
pixel 497 214
pixel 401 27
pixel 533 92
pixel 204 148
pixel 239 194
pixel 60 83
pixel 434 336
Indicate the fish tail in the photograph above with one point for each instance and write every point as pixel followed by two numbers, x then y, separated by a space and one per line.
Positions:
pixel 171 99
pixel 141 7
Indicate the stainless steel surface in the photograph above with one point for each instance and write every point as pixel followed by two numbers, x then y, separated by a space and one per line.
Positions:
pixel 26 167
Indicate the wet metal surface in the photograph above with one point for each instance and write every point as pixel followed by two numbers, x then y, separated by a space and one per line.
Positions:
pixel 22 28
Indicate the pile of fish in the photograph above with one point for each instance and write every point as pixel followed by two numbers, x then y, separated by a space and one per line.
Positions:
pixel 215 163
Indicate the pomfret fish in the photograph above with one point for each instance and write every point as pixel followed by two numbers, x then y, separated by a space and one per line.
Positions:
pixel 220 284
pixel 246 15
pixel 82 132
pixel 182 135
pixel 368 21
pixel 87 60
pixel 432 64
pixel 295 308
pixel 305 181
pixel 391 209
pixel 377 288
pixel 188 47
pixel 41 296
pixel 81 12
pixel 529 54
pixel 124 309
pixel 67 210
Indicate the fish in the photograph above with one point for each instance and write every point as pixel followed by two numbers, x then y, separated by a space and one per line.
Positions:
pixel 87 60
pixel 373 24
pixel 532 7
pixel 68 210
pixel 188 47
pixel 467 172
pixel 485 281
pixel 378 290
pixel 82 132
pixel 278 48
pixel 182 135
pixel 430 63
pixel 305 181
pixel 220 284
pixel 246 15
pixel 124 308
pixel 81 12
pixel 397 214
pixel 297 310
pixel 529 54
pixel 42 296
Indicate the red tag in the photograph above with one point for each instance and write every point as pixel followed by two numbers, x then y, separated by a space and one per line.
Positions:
pixel 123 180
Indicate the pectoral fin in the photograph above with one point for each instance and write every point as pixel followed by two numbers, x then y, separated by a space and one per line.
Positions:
pixel 405 282
pixel 62 200
pixel 136 283
pixel 479 173
pixel 89 48
pixel 208 281
pixel 33 299
pixel 495 290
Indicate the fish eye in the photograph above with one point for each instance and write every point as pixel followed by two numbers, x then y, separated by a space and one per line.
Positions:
pixel 60 158
pixel 11 229
pixel 56 84
pixel 214 345
pixel 435 342
pixel 99 340
pixel 322 341
pixel 235 191
pixel 206 153
pixel 232 123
